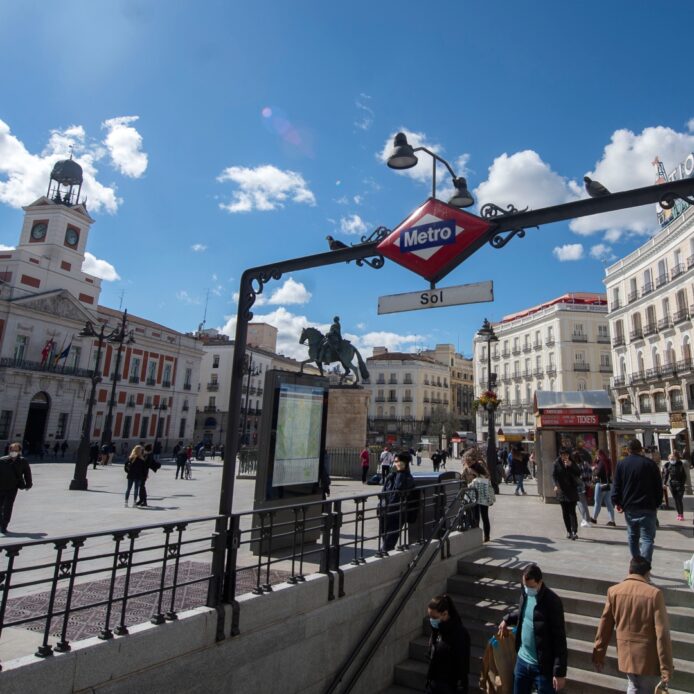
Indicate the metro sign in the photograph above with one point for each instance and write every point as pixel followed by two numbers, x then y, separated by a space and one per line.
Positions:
pixel 435 239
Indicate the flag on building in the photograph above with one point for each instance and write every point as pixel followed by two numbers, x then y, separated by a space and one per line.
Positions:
pixel 47 351
pixel 63 355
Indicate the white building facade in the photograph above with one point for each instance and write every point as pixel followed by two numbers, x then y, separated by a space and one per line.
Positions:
pixel 563 344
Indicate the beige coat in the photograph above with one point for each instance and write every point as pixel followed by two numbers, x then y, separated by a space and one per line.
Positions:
pixel 635 608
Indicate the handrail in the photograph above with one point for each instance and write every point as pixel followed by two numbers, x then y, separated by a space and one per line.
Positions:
pixel 391 599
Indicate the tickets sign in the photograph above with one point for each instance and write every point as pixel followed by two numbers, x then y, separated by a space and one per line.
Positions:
pixel 569 420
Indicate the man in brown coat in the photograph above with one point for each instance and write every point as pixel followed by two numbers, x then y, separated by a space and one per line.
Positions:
pixel 635 608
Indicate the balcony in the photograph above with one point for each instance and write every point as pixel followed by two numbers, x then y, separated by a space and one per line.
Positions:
pixel 539 373
pixel 605 368
pixel 551 370
pixel 133 379
pixel 666 370
pixel 147 406
pixel 636 376
pixel 259 391
pixel 528 373
pixel 392 382
pixel 392 398
pixel 496 356
pixel 210 408
pixel 636 334
pixel 661 280
pixel 579 337
pixel 424 400
pixel 517 375
pixel 619 341
pixel 9 362
pixel 581 366
pixel 380 398
pixel 426 382
pixel 187 386
pixel 166 384
pixel 665 323
pixel 151 381
pixel 407 398
pixel 407 381
pixel 537 344
pixel 650 329
pixel 652 374
pixel 647 288
pixel 680 316
pixel 130 403
pixel 615 305
pixel 185 407
pixel 381 380
pixel 690 262
pixel 506 354
pixel 619 382
pixel 677 270
pixel 516 351
pixel 549 341
pixel 527 348
pixel 683 366
pixel 603 338
pixel 632 296
pixel 213 385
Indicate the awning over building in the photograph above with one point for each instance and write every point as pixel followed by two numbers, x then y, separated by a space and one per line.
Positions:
pixel 572 399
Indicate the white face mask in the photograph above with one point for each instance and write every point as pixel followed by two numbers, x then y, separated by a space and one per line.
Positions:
pixel 14 454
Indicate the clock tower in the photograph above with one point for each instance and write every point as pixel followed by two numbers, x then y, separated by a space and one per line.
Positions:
pixel 53 239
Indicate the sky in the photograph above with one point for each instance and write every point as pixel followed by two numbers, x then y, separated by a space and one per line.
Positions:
pixel 218 136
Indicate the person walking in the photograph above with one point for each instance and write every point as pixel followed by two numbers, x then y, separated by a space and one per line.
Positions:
pixel 436 460
pixel 449 649
pixel 519 465
pixel 602 475
pixel 152 464
pixel 418 455
pixel 393 501
pixel 541 648
pixel 583 471
pixel 15 474
pixel 181 460
pixel 364 458
pixel 635 609
pixel 94 454
pixel 566 476
pixel 676 480
pixel 637 490
pixel 136 471
pixel 386 461
pixel 485 496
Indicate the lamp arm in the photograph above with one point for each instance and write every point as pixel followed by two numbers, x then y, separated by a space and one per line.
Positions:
pixel 438 158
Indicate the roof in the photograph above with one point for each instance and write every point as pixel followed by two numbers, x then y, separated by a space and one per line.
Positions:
pixel 568 399
pixel 403 356
pixel 585 298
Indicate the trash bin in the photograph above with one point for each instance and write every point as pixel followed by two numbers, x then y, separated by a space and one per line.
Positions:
pixel 431 505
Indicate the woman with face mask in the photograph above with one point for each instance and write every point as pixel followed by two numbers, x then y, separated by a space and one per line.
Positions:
pixel 15 474
pixel 449 648
pixel 393 503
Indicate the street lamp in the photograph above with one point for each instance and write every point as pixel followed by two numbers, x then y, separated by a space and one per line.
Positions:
pixel 120 336
pixel 162 407
pixel 249 371
pixel 79 481
pixel 403 157
pixel 486 332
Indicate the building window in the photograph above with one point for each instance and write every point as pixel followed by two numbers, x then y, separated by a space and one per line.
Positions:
pixel 20 347
pixel 212 402
pixel 127 424
pixel 5 422
pixel 167 375
pixel 603 331
pixel 188 378
pixel 660 402
pixel 626 406
pixel 215 361
pixel 182 429
pixel 675 401
pixel 581 385
pixel 73 360
pixel 213 379
pixel 151 373
pixel 135 370
pixel 62 425
pixel 645 403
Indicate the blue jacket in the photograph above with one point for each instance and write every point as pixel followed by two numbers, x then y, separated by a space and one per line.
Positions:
pixel 637 485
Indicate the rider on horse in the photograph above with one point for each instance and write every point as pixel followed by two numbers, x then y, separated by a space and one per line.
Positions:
pixel 333 340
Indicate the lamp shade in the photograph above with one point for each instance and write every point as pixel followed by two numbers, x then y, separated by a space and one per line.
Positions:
pixel 462 196
pixel 403 156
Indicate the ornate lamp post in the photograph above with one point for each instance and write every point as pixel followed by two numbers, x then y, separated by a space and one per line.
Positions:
pixel 249 371
pixel 486 332
pixel 121 337
pixel 162 407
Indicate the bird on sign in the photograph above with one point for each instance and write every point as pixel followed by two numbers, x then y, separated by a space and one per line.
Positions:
pixel 594 188
pixel 334 244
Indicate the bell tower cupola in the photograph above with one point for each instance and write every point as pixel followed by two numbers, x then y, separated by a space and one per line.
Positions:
pixel 65 184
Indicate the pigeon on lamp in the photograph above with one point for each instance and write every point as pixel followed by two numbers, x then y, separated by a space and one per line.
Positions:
pixel 334 244
pixel 594 188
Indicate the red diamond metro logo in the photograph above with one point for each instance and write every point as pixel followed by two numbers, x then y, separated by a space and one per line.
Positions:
pixel 435 239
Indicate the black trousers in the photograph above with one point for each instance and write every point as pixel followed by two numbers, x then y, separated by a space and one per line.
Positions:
pixel 482 512
pixel 364 474
pixel 677 492
pixel 7 497
pixel 143 493
pixel 180 467
pixel 568 510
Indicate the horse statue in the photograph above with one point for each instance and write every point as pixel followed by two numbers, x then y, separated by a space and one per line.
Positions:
pixel 322 353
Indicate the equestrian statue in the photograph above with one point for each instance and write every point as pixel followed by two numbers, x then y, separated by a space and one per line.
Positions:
pixel 331 347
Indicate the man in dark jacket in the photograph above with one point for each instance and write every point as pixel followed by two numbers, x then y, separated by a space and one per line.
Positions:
pixel 540 637
pixel 15 474
pixel 637 490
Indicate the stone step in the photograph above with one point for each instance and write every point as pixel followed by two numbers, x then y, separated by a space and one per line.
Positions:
pixel 490 569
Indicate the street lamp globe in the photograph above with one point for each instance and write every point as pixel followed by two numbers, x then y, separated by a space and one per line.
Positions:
pixel 462 196
pixel 403 156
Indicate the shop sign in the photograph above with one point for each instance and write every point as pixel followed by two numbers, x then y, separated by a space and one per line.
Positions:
pixel 572 410
pixel 677 419
pixel 569 420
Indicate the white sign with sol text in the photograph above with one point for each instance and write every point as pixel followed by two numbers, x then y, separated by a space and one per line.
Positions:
pixel 435 298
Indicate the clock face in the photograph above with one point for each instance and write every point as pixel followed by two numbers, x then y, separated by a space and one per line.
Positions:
pixel 71 237
pixel 38 231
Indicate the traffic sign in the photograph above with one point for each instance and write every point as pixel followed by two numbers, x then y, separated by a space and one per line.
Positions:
pixel 434 239
pixel 435 298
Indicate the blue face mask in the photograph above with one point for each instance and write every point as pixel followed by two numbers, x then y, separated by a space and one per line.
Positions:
pixel 435 623
pixel 530 591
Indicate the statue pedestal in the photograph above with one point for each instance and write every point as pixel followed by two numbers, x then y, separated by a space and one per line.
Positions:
pixel 348 410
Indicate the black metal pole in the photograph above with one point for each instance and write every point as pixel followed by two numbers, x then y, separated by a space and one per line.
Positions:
pixel 79 481
pixel 249 372
pixel 491 439
pixel 108 425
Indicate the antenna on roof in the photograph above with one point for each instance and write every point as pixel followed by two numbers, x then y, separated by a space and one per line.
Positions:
pixel 120 303
pixel 204 316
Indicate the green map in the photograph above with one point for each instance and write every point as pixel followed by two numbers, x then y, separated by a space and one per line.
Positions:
pixel 298 439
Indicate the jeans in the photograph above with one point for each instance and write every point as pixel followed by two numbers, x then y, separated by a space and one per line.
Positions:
pixel 583 506
pixel 525 675
pixel 518 479
pixel 641 532
pixel 135 485
pixel 641 684
pixel 600 493
pixel 568 511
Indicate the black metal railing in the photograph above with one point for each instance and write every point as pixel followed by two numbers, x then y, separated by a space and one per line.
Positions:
pixel 619 341
pixel 46 367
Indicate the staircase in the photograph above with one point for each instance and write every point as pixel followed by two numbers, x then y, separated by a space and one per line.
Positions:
pixel 483 592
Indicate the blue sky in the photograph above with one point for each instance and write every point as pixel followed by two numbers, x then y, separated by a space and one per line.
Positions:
pixel 250 131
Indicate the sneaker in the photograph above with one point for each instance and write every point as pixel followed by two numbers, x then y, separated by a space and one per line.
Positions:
pixel 585 524
pixel 680 518
pixel 612 524
pixel 524 493
pixel 593 520
pixel 569 536
pixel 517 493
pixel 574 536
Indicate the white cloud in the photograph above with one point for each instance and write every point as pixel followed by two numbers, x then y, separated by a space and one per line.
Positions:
pixel 198 247
pixel 690 125
pixel 569 251
pixel 184 297
pixel 24 176
pixel 3 247
pixel 352 224
pixel 99 268
pixel 366 115
pixel 393 341
pixel 422 170
pixel 358 199
pixel 264 188
pixel 613 235
pixel 601 251
pixel 124 144
pixel 291 292
pixel 524 180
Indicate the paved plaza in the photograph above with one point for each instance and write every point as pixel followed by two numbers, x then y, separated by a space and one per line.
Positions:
pixel 523 528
